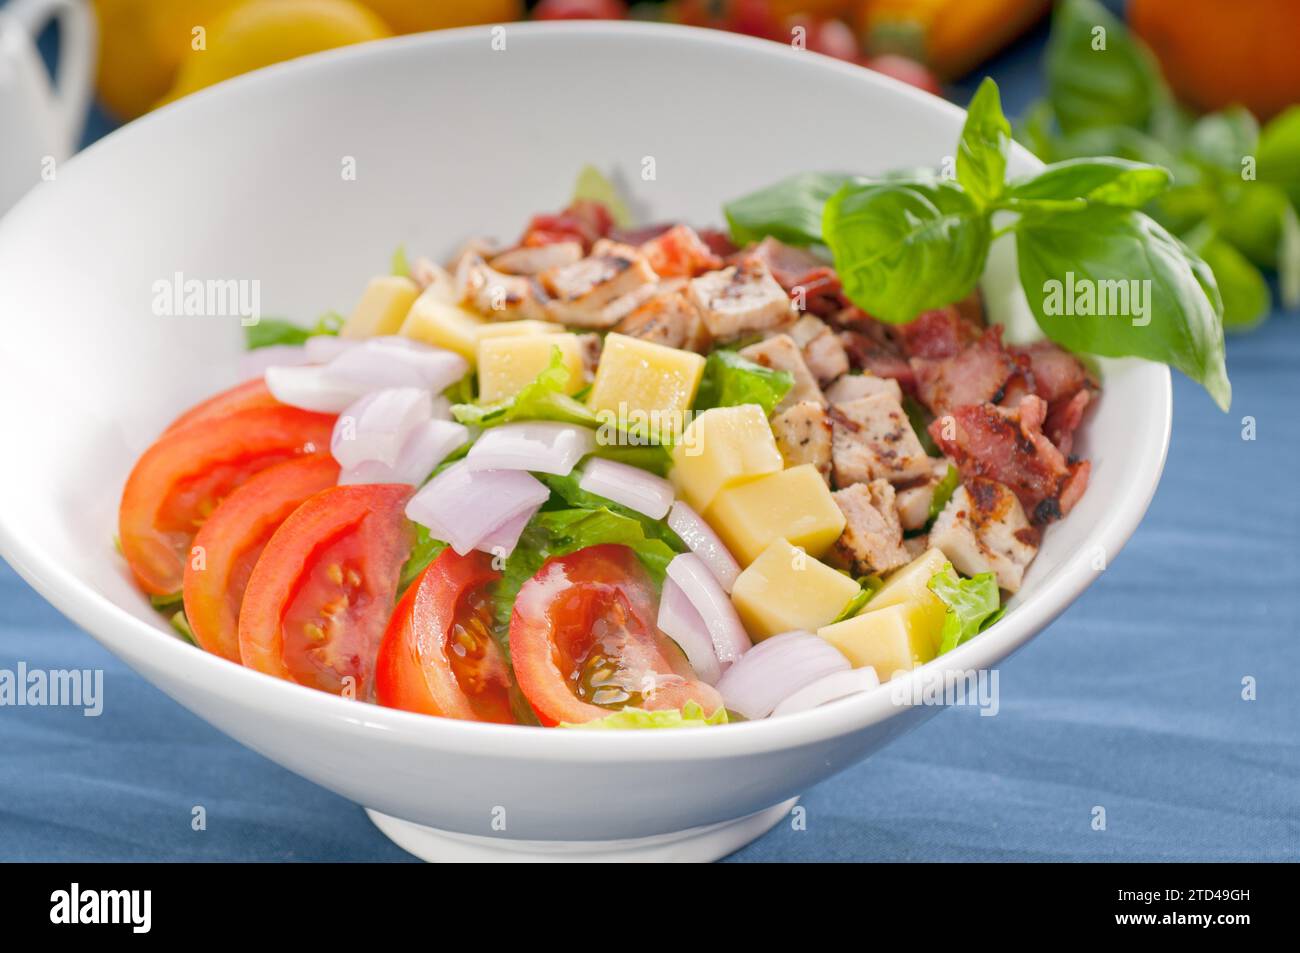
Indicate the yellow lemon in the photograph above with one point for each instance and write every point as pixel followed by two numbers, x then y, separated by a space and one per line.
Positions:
pixel 416 16
pixel 257 33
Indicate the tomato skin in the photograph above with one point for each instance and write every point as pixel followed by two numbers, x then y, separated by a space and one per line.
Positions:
pixel 907 70
pixel 320 596
pixel 232 539
pixel 414 670
pixel 246 396
pixel 596 604
pixel 580 10
pixel 179 480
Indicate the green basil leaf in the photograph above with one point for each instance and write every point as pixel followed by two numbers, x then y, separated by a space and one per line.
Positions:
pixel 1223 139
pixel 1097 73
pixel 1288 260
pixel 1278 153
pixel 1114 282
pixel 790 210
pixel 1246 298
pixel 1107 181
pixel 904 247
pixel 982 150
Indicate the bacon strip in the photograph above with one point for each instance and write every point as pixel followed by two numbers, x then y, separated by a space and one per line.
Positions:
pixel 977 374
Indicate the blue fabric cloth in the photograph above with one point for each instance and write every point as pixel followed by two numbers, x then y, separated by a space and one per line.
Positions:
pixel 1131 701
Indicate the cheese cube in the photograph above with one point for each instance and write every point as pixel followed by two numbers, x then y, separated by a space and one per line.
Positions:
pixel 890 640
pixel 723 446
pixel 795 505
pixel 436 321
pixel 648 385
pixel 910 586
pixel 382 308
pixel 785 589
pixel 507 364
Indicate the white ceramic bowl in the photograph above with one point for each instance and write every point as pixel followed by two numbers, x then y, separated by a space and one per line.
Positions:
pixel 452 138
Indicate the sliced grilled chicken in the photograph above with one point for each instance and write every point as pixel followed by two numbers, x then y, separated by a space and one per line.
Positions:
pixel 781 353
pixel 533 260
pixel 856 386
pixel 822 350
pixel 984 529
pixel 873 439
pixel 670 318
pixel 803 435
pixel 742 299
pixel 601 289
pixel 499 296
pixel 872 540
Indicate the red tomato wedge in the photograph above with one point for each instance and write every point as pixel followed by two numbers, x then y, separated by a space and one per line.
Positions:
pixel 584 642
pixel 232 538
pixel 179 481
pixel 246 396
pixel 438 656
pixel 320 596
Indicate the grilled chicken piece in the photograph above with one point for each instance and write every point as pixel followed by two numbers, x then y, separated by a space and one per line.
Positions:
pixel 984 529
pixel 499 296
pixel 429 274
pixel 873 439
pixel 803 435
pixel 822 350
pixel 914 501
pixel 740 300
pixel 856 386
pixel 671 319
pixel 533 260
pixel 601 289
pixel 484 248
pixel 872 540
pixel 781 353
pixel 679 253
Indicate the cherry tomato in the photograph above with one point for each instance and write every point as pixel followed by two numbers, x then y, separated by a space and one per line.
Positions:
pixel 584 642
pixel 323 589
pixel 232 538
pixel 179 481
pixel 245 396
pixel 907 70
pixel 438 656
pixel 580 10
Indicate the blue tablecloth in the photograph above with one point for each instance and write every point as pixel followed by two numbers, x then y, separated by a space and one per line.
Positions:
pixel 1132 701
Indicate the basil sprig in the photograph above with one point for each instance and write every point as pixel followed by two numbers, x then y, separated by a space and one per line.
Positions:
pixel 1101 276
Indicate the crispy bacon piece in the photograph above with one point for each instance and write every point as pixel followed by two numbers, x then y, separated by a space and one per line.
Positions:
pixel 1009 446
pixel 1059 378
pixel 874 356
pixel 937 334
pixel 975 375
pixel 719 242
pixel 801 274
pixel 584 221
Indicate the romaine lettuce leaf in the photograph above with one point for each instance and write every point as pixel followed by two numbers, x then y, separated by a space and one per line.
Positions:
pixel 543 399
pixel 271 331
pixel 973 605
pixel 691 715
pixel 730 380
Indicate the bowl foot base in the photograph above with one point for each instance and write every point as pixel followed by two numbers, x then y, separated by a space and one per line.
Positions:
pixel 695 845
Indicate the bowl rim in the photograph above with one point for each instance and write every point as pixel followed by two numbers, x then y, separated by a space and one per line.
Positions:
pixel 114 626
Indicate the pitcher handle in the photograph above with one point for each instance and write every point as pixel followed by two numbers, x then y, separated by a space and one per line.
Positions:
pixel 74 74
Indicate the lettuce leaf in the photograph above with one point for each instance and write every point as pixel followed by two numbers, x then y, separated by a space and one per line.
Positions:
pixel 425 551
pixel 973 605
pixel 691 715
pixel 729 381
pixel 543 399
pixel 401 267
pixel 268 332
pixel 943 492
pixel 593 186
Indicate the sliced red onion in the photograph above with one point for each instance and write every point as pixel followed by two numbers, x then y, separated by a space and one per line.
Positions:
pixel 425 448
pixel 323 348
pixel 503 540
pixel 827 689
pixel 465 506
pixel 631 486
pixel 540 446
pixel 727 632
pixel 681 622
pixel 309 389
pixel 775 669
pixel 397 362
pixel 700 539
pixel 255 362
pixel 376 427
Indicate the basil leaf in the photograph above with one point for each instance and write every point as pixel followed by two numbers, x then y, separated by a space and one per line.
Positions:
pixel 1223 139
pixel 1089 261
pixel 982 150
pixel 1107 181
pixel 730 380
pixel 905 247
pixel 1288 260
pixel 1097 73
pixel 1278 153
pixel 790 210
pixel 1246 298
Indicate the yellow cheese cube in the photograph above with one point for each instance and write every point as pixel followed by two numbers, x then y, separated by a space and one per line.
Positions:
pixel 382 308
pixel 795 505
pixel 786 589
pixel 507 364
pixel 910 585
pixel 436 321
pixel 723 446
pixel 894 639
pixel 647 386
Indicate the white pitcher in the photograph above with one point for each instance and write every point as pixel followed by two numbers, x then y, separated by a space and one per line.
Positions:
pixel 40 120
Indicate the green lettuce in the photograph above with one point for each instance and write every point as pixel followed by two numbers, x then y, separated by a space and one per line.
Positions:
pixel 730 380
pixel 593 186
pixel 943 492
pixel 543 399
pixel 973 605
pixel 401 267
pixel 691 715
pixel 272 331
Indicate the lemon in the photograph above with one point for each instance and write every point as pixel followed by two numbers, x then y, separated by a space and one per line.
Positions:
pixel 415 16
pixel 257 33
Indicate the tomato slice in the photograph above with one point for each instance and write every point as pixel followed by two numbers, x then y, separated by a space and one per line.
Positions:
pixel 179 481
pixel 584 642
pixel 323 589
pixel 246 396
pixel 438 656
pixel 233 537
